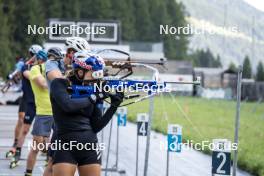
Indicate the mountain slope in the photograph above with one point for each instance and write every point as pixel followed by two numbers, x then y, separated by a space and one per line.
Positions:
pixel 232 46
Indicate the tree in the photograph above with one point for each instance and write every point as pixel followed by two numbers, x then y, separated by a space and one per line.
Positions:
pixel 203 58
pixel 260 72
pixel 176 45
pixel 143 21
pixel 232 67
pixel 125 13
pixel 85 11
pixel 247 72
pixel 218 62
pixel 70 9
pixel 209 58
pixel 54 10
pixel 29 13
pixel 100 9
pixel 140 20
pixel 159 16
pixel 5 52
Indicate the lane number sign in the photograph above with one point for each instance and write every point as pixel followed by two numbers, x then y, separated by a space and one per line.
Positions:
pixel 122 116
pixel 142 124
pixel 221 157
pixel 174 138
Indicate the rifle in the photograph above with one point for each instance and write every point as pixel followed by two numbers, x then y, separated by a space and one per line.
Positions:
pixel 11 81
pixel 150 87
pixel 117 59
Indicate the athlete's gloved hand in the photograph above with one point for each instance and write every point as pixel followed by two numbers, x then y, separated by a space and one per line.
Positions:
pixel 116 99
pixel 98 97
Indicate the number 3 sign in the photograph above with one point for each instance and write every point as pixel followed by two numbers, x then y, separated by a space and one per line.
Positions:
pixel 174 138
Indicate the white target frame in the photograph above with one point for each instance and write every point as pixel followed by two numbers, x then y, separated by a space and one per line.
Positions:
pixel 111 25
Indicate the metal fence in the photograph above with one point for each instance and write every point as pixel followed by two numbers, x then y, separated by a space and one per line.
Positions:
pixel 252 91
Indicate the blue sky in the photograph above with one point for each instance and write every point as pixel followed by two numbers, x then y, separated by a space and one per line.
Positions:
pixel 259 4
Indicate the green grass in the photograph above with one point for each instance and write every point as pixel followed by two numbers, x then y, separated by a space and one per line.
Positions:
pixel 212 119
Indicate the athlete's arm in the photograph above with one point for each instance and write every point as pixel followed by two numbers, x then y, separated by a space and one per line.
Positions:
pixel 58 89
pixel 26 74
pixel 54 74
pixel 52 70
pixel 37 77
pixel 99 121
pixel 41 82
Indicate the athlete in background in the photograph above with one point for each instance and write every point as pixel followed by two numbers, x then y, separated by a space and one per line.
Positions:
pixel 26 97
pixel 56 68
pixel 54 63
pixel 43 119
pixel 30 111
pixel 15 76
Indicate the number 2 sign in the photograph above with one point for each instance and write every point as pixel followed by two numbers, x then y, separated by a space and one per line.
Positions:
pixel 221 157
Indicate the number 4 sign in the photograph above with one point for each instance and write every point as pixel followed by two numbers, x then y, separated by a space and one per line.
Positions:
pixel 142 124
pixel 174 138
pixel 122 116
pixel 221 157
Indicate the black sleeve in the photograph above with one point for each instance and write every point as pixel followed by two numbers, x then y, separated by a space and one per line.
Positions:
pixel 99 121
pixel 58 91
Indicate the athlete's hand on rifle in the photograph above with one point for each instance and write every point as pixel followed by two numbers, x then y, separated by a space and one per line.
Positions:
pixel 116 99
pixel 98 97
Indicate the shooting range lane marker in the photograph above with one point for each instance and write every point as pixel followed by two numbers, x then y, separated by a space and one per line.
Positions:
pixel 155 77
pixel 186 116
pixel 121 121
pixel 165 115
pixel 105 106
pixel 142 121
pixel 122 116
pixel 151 115
pixel 237 120
pixel 221 157
pixel 142 130
pixel 174 138
pixel 109 144
pixel 140 109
